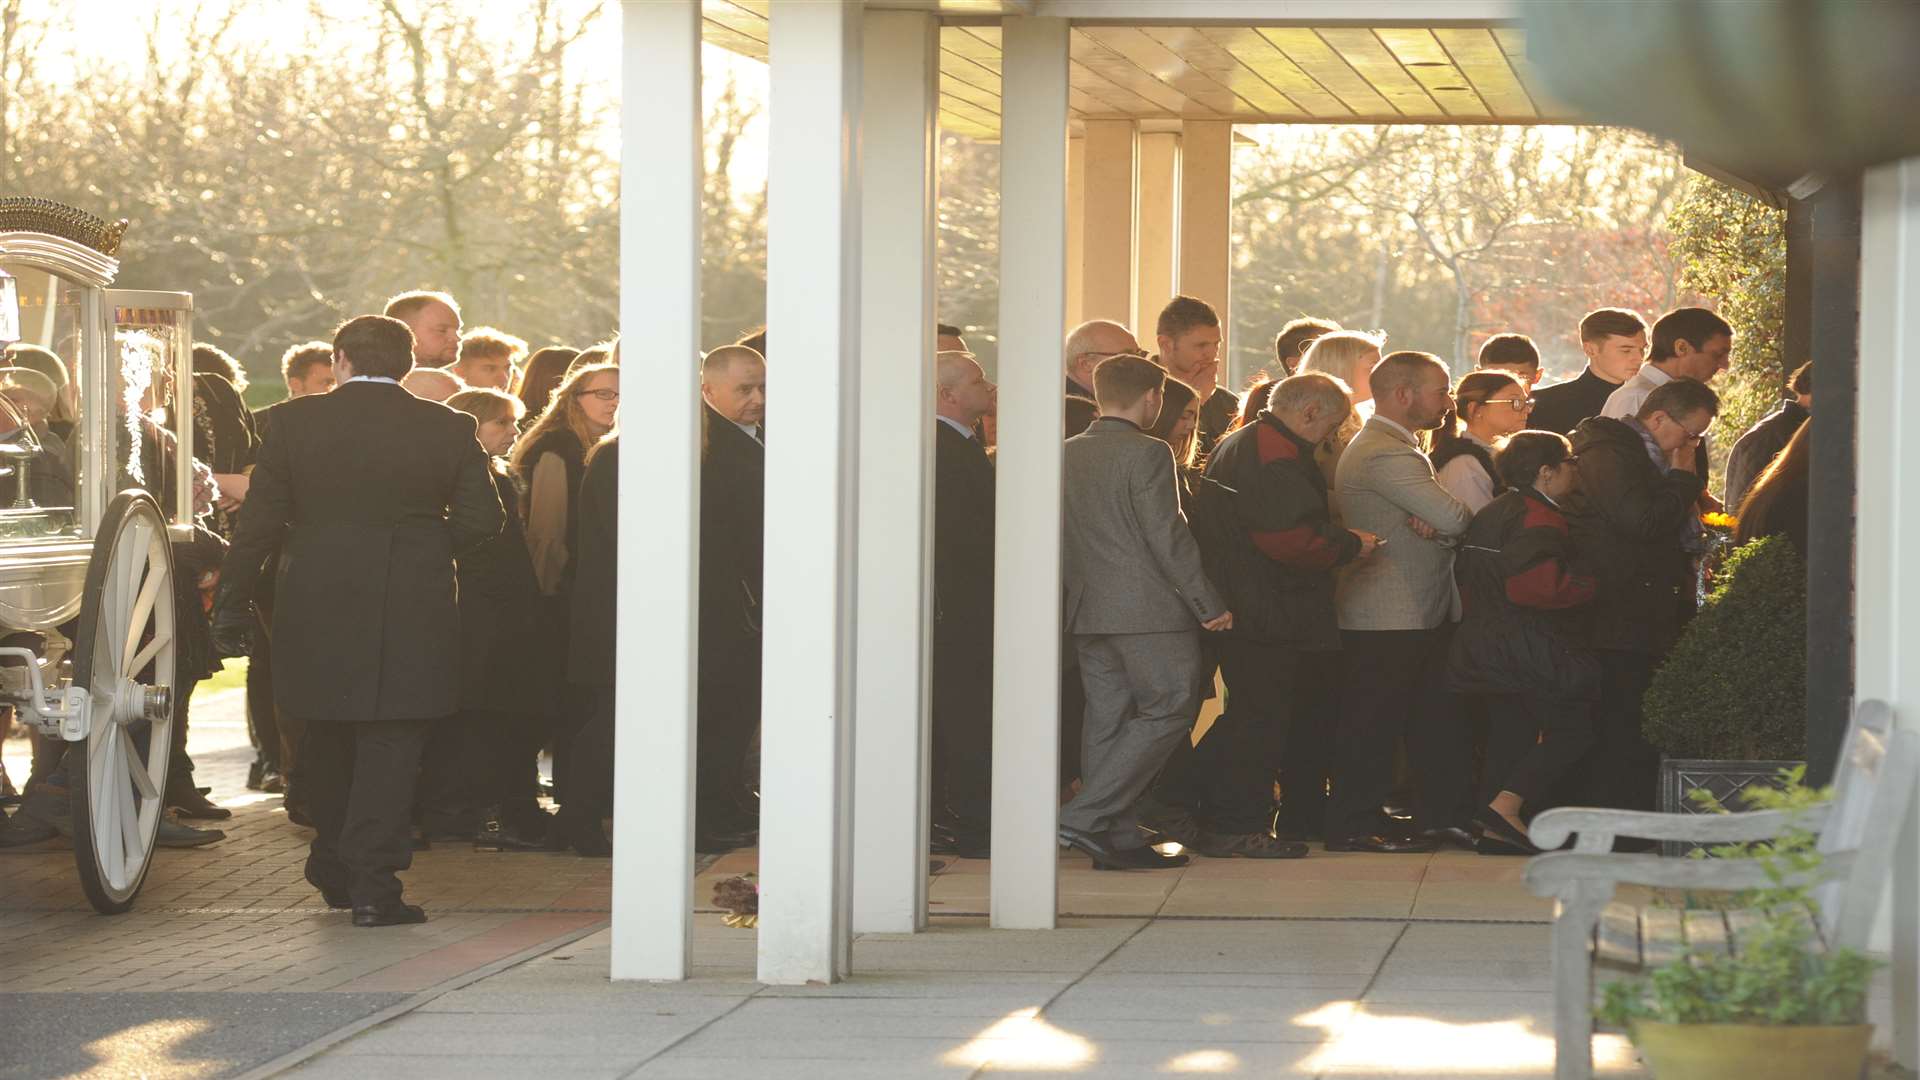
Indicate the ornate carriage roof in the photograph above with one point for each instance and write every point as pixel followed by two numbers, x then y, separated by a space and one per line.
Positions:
pixel 27 214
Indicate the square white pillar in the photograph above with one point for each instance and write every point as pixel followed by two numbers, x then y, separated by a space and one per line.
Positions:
pixel 807 643
pixel 658 611
pixel 1076 229
pixel 1026 616
pixel 1887 628
pixel 1107 249
pixel 900 96
pixel 1206 212
pixel 1158 231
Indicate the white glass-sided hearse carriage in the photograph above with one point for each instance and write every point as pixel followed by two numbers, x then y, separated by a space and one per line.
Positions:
pixel 95 480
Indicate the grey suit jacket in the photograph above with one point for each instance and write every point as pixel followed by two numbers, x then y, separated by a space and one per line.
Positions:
pixel 1407 584
pixel 1130 562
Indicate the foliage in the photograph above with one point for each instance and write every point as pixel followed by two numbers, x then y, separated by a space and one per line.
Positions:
pixel 968 267
pixel 1778 977
pixel 1733 247
pixel 1735 684
pixel 1447 235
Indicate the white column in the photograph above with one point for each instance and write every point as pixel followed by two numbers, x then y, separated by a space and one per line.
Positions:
pixel 1206 204
pixel 655 634
pixel 813 324
pixel 900 95
pixel 1158 229
pixel 1107 246
pixel 1887 630
pixel 1076 230
pixel 1026 615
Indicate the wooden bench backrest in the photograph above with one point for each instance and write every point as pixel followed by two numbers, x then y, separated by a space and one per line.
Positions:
pixel 1878 769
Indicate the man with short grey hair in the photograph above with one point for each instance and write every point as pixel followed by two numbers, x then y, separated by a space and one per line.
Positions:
pixel 1396 611
pixel 963 517
pixel 1277 571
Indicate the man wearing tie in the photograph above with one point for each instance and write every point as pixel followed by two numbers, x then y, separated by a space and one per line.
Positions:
pixel 963 606
pixel 369 493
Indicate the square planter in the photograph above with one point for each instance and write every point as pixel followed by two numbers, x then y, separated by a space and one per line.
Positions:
pixel 1725 779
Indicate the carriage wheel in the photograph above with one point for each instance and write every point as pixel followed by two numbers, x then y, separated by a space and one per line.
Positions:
pixel 124 660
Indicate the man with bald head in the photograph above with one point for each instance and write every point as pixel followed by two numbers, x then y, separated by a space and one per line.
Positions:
pixel 434 318
pixel 963 602
pixel 431 384
pixel 1088 346
pixel 733 480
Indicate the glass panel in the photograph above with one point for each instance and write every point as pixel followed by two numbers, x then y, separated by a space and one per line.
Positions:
pixel 42 443
pixel 150 342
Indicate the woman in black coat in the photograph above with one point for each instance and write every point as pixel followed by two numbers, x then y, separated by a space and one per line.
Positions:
pixel 1519 642
pixel 590 663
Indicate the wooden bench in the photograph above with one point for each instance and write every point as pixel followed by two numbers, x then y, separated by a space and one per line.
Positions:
pixel 1879 766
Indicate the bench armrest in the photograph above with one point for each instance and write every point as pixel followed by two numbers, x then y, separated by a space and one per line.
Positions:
pixel 1596 827
pixel 1561 872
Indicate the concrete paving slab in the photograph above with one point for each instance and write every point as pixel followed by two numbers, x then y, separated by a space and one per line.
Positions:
pixel 1305 898
pixel 746 1068
pixel 1256 947
pixel 456 1067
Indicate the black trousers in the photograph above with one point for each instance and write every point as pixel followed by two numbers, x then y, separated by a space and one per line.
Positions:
pixel 963 725
pixel 1622 770
pixel 1393 688
pixel 1305 763
pixel 473 760
pixel 1228 779
pixel 729 717
pixel 360 781
pixel 1532 742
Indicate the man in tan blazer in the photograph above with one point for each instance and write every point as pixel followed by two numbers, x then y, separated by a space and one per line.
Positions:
pixel 1396 611
pixel 1136 599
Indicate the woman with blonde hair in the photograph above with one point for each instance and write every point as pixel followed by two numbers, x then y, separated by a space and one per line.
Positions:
pixel 1347 355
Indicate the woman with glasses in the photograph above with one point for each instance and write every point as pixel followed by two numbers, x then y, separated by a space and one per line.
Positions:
pixel 1488 406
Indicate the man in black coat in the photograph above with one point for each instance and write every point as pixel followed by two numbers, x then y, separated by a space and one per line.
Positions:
pixel 733 480
pixel 963 604
pixel 1615 341
pixel 1635 520
pixel 369 493
pixel 1764 440
pixel 590 657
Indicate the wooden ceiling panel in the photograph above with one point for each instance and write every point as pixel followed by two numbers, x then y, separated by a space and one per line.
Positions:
pixel 1264 59
pixel 1123 73
pixel 958 124
pixel 952 90
pixel 1108 98
pixel 1423 57
pixel 1219 64
pixel 1484 63
pixel 980 44
pixel 1158 62
pixel 738 18
pixel 1315 57
pixel 1367 55
pixel 973 115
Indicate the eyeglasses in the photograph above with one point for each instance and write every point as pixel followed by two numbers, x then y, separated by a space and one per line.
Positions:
pixel 602 395
pixel 1516 404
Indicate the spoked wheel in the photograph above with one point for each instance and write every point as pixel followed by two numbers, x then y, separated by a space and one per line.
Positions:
pixel 124 661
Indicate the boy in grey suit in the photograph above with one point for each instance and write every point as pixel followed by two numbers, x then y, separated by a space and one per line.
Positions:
pixel 1135 595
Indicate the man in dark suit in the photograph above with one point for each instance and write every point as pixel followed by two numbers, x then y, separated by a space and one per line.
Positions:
pixel 369 493
pixel 1188 334
pixel 1088 346
pixel 733 480
pixel 1615 341
pixel 963 606
pixel 1136 600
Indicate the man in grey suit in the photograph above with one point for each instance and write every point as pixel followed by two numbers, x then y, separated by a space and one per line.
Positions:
pixel 1396 611
pixel 1135 596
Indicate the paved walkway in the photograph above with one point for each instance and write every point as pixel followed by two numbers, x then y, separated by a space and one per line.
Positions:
pixel 1334 966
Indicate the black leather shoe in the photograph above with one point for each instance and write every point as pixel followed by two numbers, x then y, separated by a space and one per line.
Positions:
pixel 581 831
pixel 1142 858
pixel 1382 845
pixel 388 914
pixel 1499 837
pixel 1256 845
pixel 192 803
pixel 1450 834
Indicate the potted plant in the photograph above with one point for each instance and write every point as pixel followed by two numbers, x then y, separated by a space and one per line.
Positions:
pixel 1728 707
pixel 1776 1007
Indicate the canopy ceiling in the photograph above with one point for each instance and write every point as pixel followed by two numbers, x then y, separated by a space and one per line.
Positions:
pixel 1267 74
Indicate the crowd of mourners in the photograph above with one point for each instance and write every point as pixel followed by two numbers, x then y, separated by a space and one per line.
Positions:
pixel 1433 605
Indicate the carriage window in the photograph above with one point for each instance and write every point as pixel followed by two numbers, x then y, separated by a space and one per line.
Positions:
pixel 42 443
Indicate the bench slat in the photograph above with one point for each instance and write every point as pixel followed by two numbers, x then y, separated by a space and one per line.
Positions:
pixel 1616 939
pixel 1706 932
pixel 1662 936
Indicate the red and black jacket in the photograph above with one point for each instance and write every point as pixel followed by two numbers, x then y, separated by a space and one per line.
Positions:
pixel 1523 604
pixel 1284 544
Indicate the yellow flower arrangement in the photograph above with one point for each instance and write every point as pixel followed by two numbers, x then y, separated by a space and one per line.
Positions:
pixel 1719 521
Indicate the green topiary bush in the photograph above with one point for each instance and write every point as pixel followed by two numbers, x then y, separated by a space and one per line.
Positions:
pixel 1735 686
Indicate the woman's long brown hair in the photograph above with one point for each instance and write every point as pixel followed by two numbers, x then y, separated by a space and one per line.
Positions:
pixel 563 411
